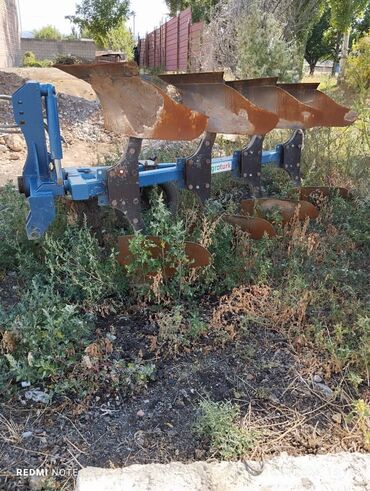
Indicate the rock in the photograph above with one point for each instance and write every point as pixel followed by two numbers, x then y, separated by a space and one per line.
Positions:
pixel 140 413
pixel 15 143
pixel 326 391
pixel 27 434
pixel 25 384
pixel 37 395
pixel 14 156
pixel 337 418
pixel 3 148
pixel 342 471
pixel 37 483
pixel 317 378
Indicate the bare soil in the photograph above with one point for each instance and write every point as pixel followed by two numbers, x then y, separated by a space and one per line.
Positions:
pixel 262 372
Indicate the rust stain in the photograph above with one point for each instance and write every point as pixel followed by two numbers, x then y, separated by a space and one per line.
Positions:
pixel 287 208
pixel 292 113
pixel 256 227
pixel 134 107
pixel 227 110
pixel 333 114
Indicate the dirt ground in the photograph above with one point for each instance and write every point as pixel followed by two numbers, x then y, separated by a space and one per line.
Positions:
pixel 262 371
pixel 87 143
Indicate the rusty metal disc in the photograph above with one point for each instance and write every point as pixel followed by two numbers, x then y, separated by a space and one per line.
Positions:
pixel 333 114
pixel 256 227
pixel 228 111
pixel 287 208
pixel 197 255
pixel 138 108
pixel 312 192
pixel 292 113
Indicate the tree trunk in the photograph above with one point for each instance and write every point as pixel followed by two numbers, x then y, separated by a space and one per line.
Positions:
pixel 336 54
pixel 344 54
pixel 312 68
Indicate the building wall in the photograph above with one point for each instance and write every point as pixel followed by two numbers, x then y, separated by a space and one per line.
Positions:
pixel 9 33
pixel 46 49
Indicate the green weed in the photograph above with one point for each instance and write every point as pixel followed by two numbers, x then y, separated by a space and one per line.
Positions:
pixel 219 423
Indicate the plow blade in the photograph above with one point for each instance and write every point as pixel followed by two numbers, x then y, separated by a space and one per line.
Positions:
pixel 292 113
pixel 256 227
pixel 286 208
pixel 333 114
pixel 317 192
pixel 197 255
pixel 228 110
pixel 137 108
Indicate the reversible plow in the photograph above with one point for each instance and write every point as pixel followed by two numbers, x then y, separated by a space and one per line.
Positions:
pixel 173 107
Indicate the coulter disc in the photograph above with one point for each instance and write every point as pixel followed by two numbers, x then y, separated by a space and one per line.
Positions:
pixel 255 226
pixel 197 255
pixel 286 208
pixel 312 192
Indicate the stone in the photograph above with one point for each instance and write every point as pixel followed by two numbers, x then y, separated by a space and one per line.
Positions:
pixel 14 156
pixel 337 418
pixel 140 413
pixel 3 148
pixel 325 390
pixel 317 378
pixel 15 143
pixel 27 434
pixel 341 471
pixel 37 395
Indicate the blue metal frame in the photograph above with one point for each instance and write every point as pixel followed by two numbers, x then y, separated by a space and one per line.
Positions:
pixel 43 179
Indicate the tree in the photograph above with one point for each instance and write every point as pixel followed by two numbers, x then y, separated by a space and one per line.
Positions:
pixel 319 46
pixel 343 12
pixel 99 17
pixel 121 39
pixel 250 42
pixel 201 9
pixel 47 32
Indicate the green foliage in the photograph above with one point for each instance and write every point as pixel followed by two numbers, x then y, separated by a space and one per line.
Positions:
pixel 318 47
pixel 78 269
pixel 47 32
pixel 120 39
pixel 357 73
pixel 49 335
pixel 218 422
pixel 29 59
pixel 99 17
pixel 14 245
pixel 201 9
pixel 261 55
pixel 343 12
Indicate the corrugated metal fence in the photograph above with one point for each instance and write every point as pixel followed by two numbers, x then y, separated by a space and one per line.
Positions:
pixel 175 46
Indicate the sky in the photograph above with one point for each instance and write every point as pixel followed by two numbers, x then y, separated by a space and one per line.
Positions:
pixel 38 13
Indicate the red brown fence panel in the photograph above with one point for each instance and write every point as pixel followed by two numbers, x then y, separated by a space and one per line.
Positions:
pixel 175 46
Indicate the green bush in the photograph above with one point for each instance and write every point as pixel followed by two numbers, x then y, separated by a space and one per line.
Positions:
pixel 218 422
pixel 357 71
pixel 43 337
pixel 30 60
pixel 78 269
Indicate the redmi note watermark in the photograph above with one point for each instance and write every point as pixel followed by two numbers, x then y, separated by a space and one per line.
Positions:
pixel 45 472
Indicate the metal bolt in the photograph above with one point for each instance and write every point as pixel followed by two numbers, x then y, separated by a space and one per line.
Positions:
pixel 135 201
pixel 135 221
pixel 123 203
pixel 190 186
pixel 207 185
pixel 244 175
pixel 250 175
pixel 207 142
pixel 121 171
pixel 197 187
pixel 258 174
pixel 114 202
pixel 132 151
pixel 298 164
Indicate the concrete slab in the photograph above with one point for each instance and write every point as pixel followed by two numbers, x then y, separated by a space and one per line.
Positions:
pixel 337 472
